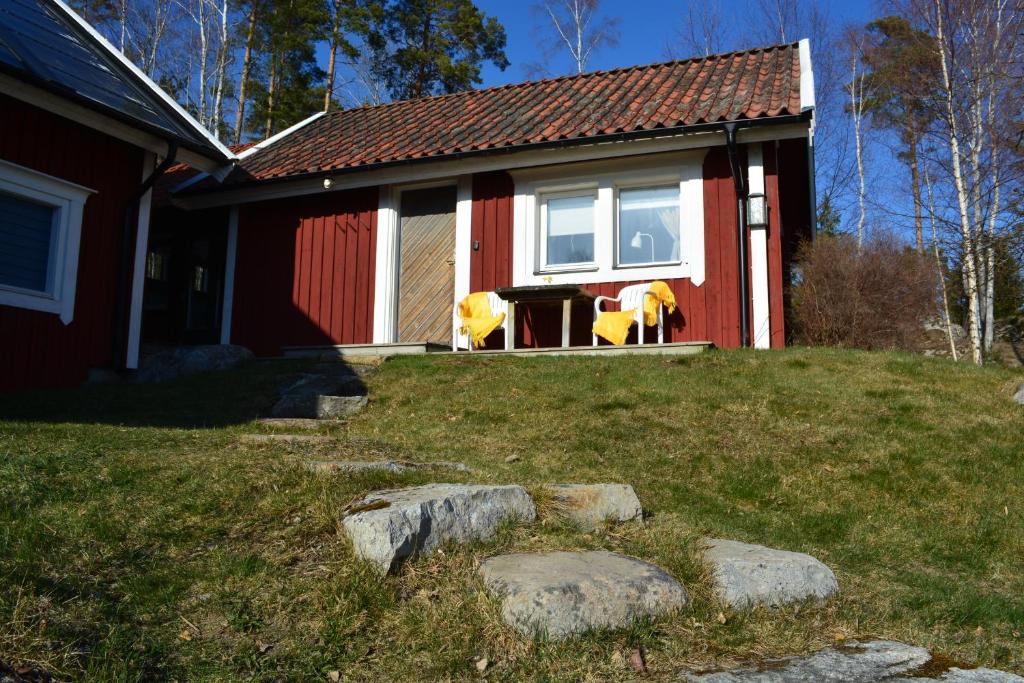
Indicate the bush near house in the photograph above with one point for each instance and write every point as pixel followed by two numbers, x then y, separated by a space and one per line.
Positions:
pixel 877 296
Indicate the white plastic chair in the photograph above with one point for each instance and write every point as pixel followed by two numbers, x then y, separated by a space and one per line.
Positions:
pixel 629 297
pixel 498 306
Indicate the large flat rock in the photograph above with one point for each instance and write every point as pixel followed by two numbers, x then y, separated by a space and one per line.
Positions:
pixel 560 594
pixel 746 575
pixel 190 360
pixel 396 524
pixel 339 407
pixel 590 505
pixel 879 660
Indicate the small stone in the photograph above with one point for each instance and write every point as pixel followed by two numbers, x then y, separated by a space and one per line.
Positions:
pixel 512 458
pixel 415 521
pixel 1019 396
pixel 869 662
pixel 339 407
pixel 746 575
pixel 590 505
pixel 288 439
pixel 481 664
pixel 561 594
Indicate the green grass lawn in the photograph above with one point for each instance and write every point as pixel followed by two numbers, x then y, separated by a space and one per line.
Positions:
pixel 140 541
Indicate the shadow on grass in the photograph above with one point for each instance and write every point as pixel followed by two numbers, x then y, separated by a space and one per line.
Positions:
pixel 208 400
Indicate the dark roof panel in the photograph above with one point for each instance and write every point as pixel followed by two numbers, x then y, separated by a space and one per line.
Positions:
pixel 41 44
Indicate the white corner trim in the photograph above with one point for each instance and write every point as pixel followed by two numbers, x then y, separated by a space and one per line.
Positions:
pixel 463 238
pixel 68 199
pixel 156 89
pixel 229 276
pixel 604 178
pixel 760 312
pixel 385 290
pixel 806 76
pixel 279 136
pixel 139 270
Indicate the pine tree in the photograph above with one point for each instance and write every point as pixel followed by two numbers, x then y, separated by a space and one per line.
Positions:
pixel 429 47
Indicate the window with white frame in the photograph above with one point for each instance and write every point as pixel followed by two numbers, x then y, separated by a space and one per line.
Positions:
pixel 615 221
pixel 567 220
pixel 40 230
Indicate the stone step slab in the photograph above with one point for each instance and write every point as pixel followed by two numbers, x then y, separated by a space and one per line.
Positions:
pixel 590 505
pixel 561 594
pixel 339 407
pixel 286 439
pixel 291 422
pixel 868 662
pixel 395 466
pixel 746 575
pixel 396 524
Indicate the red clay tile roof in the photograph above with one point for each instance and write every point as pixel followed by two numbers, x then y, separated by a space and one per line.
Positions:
pixel 743 85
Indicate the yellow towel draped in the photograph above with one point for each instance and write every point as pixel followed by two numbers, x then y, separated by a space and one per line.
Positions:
pixel 614 325
pixel 477 319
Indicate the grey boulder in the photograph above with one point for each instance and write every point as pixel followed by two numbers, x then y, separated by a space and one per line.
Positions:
pixel 389 526
pixel 300 396
pixel 590 505
pixel 339 407
pixel 191 360
pixel 879 660
pixel 746 575
pixel 561 594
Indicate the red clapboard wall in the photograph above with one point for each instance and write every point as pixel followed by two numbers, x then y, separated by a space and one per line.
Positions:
pixel 709 312
pixel 304 271
pixel 36 349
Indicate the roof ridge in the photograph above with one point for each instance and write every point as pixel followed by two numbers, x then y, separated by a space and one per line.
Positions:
pixel 554 79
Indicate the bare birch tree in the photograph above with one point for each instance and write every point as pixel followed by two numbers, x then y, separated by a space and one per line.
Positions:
pixel 857 103
pixel 703 32
pixel 940 269
pixel 577 28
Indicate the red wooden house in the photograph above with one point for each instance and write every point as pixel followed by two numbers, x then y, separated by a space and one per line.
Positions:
pixel 83 135
pixel 366 225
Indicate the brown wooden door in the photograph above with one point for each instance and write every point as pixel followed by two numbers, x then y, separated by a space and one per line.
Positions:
pixel 426 279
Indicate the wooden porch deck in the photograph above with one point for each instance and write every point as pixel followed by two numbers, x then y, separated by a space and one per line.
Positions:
pixel 348 351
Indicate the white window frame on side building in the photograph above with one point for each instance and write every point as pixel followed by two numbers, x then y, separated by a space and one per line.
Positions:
pixel 68 202
pixel 604 179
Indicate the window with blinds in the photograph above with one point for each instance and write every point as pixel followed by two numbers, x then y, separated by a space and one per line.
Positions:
pixel 26 243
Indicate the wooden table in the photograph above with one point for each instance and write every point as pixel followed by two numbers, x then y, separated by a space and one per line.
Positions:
pixel 541 294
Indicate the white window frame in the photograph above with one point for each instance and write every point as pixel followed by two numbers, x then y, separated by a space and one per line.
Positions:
pixel 674 182
pixel 606 178
pixel 542 242
pixel 68 201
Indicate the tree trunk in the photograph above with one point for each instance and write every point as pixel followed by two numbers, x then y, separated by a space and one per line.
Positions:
pixel 243 78
pixel 940 270
pixel 332 54
pixel 967 234
pixel 857 109
pixel 271 85
pixel 223 50
pixel 915 186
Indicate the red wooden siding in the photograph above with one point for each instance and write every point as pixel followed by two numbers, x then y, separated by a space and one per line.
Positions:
pixel 709 312
pixel 304 272
pixel 36 349
pixel 771 191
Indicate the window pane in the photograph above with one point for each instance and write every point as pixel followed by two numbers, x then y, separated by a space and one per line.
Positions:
pixel 570 237
pixel 649 225
pixel 25 233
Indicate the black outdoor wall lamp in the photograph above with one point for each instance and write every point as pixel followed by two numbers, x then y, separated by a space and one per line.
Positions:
pixel 757 210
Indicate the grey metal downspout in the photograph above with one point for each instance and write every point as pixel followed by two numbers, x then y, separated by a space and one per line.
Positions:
pixel 124 274
pixel 812 186
pixel 741 212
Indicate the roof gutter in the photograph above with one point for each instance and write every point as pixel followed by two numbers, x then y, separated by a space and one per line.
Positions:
pixel 129 234
pixel 625 136
pixel 740 184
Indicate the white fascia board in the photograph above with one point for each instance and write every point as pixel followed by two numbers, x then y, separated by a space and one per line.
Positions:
pixel 806 76
pixel 452 168
pixel 279 136
pixel 147 81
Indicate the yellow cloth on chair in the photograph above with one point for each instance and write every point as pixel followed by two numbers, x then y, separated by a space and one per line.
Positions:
pixel 477 319
pixel 665 298
pixel 614 325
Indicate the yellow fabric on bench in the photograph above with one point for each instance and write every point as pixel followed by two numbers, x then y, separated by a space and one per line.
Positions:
pixel 477 319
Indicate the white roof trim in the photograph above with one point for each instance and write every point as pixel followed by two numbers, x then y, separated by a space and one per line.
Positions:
pixel 278 136
pixel 168 100
pixel 806 76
